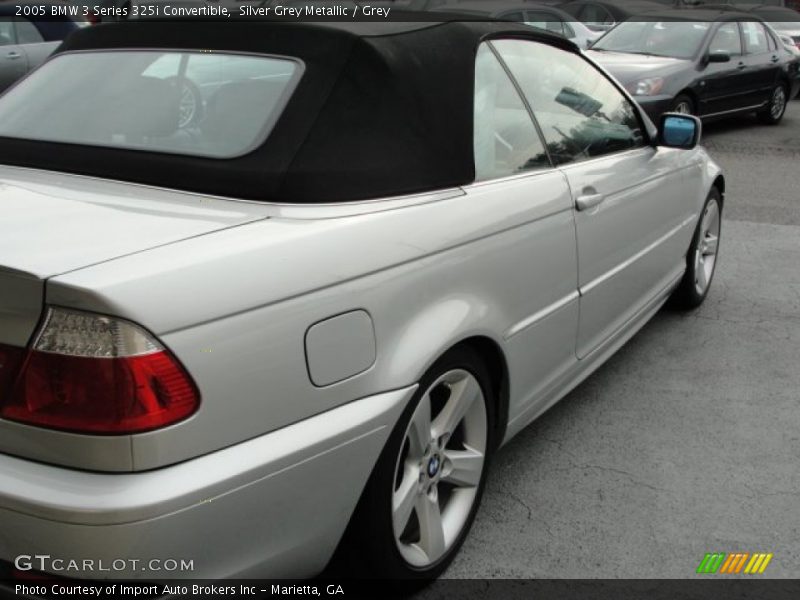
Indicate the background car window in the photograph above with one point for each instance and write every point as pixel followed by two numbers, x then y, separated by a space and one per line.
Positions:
pixel 596 16
pixel 546 21
pixel 726 40
pixel 27 32
pixel 580 112
pixel 505 139
pixel 515 16
pixel 215 105
pixel 755 38
pixel 7 35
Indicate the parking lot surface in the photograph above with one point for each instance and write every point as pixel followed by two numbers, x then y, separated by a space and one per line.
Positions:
pixel 687 440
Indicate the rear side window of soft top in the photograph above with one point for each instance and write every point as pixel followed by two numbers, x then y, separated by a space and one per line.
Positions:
pixel 210 104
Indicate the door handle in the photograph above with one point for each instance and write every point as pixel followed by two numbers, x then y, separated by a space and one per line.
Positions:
pixel 587 201
pixel 12 55
pixel 774 59
pixel 740 66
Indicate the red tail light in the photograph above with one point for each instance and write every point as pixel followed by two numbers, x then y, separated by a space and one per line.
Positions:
pixel 95 374
pixel 10 359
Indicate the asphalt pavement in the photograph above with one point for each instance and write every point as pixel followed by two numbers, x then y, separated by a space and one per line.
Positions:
pixel 688 440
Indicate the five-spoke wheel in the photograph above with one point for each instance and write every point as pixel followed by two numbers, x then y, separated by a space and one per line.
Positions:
pixel 439 467
pixel 701 259
pixel 705 253
pixel 425 489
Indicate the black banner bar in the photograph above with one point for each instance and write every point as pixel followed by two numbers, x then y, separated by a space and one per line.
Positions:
pixel 710 587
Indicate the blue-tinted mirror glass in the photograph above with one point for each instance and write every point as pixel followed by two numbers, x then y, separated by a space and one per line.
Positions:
pixel 679 131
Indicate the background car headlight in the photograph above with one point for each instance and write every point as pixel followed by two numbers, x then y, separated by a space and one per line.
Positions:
pixel 646 87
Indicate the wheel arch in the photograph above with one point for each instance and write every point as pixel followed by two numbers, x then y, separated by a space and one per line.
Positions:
pixel 412 344
pixel 494 359
pixel 343 562
pixel 693 96
pixel 719 183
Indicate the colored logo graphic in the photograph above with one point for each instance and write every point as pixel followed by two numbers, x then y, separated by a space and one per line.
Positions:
pixel 737 562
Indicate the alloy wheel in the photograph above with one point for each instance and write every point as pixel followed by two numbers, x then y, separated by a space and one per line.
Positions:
pixel 705 256
pixel 439 469
pixel 778 102
pixel 187 107
pixel 683 108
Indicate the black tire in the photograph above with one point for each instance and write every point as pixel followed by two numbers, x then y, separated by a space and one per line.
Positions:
pixel 683 100
pixel 776 108
pixel 687 295
pixel 369 549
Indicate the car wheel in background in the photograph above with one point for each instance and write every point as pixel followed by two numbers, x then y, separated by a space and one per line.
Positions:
pixel 701 259
pixel 683 104
pixel 773 113
pixel 423 494
pixel 190 107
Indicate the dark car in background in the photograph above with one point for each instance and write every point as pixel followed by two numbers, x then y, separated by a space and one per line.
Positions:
pixel 707 63
pixel 26 41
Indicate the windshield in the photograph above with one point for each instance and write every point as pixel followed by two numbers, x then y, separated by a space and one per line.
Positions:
pixel 678 39
pixel 196 103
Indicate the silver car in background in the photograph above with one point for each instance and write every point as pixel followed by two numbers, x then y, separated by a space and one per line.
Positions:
pixel 29 33
pixel 541 16
pixel 306 317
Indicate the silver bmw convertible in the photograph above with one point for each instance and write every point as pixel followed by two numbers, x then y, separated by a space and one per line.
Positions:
pixel 275 293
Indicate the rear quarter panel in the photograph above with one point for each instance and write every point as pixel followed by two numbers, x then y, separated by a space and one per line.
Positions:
pixel 235 306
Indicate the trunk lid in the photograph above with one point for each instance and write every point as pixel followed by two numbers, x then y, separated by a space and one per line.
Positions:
pixel 54 223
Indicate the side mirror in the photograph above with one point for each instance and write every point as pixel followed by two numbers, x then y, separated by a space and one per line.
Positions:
pixel 719 57
pixel 677 130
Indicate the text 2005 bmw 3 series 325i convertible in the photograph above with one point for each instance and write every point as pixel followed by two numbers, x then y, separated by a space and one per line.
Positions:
pixel 271 289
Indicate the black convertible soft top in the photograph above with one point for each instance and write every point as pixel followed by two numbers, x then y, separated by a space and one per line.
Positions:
pixel 383 108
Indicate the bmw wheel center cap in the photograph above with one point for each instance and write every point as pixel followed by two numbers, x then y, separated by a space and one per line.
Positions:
pixel 433 466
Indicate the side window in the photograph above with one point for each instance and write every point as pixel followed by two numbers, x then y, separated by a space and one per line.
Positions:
pixel 7 35
pixel 755 38
pixel 580 112
pixel 726 40
pixel 27 32
pixel 504 137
